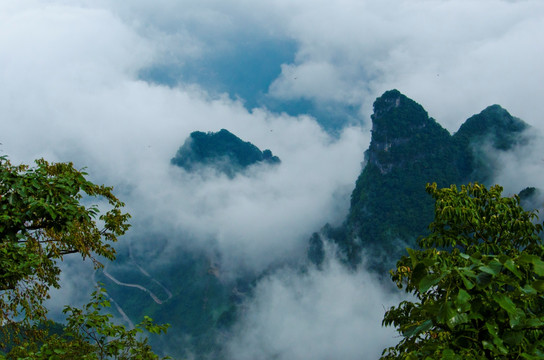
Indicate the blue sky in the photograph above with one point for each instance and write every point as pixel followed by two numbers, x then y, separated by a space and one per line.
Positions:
pixel 245 69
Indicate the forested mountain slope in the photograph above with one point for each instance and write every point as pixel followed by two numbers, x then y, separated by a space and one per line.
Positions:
pixel 389 206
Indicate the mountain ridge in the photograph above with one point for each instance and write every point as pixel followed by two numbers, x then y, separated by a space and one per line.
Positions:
pixel 389 208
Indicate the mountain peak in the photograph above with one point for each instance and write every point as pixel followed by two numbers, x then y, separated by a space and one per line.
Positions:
pixel 397 116
pixel 222 150
pixel 389 100
pixel 493 124
pixel 398 124
pixel 389 206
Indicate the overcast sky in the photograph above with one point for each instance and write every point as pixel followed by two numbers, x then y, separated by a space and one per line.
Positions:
pixel 117 86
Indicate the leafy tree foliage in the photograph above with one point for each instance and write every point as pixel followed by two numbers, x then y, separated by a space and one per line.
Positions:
pixel 43 218
pixel 91 335
pixel 478 281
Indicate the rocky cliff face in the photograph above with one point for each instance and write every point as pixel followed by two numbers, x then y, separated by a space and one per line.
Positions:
pixel 401 133
pixel 408 149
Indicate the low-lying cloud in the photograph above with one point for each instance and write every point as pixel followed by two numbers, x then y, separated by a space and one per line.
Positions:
pixel 522 166
pixel 329 314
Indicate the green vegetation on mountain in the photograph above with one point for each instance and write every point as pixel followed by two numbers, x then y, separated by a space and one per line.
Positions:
pixel 408 149
pixel 478 281
pixel 202 304
pixel 223 151
pixel 492 130
pixel 493 124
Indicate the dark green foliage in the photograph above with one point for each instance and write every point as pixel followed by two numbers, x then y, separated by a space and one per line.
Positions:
pixel 223 151
pixel 42 219
pixel 478 281
pixel 408 149
pixel 90 334
pixel 397 118
pixel 202 306
pixel 527 193
pixel 17 336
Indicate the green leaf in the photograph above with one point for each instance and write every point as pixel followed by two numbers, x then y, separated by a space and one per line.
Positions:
pixel 516 318
pixel 428 281
pixel 488 270
pixel 492 328
pixel 484 279
pixel 446 313
pixel 413 256
pixel 457 320
pixel 462 301
pixel 493 268
pixel 415 330
pixel 534 323
pixel 505 303
pixel 418 272
pixel 510 265
pixel 538 266
pixel 468 284
pixel 538 285
pixel 488 346
pixel 526 258
pixel 528 290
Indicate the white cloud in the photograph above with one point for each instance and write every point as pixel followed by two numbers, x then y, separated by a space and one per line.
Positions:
pixel 319 81
pixel 454 57
pixel 329 314
pixel 71 93
pixel 523 166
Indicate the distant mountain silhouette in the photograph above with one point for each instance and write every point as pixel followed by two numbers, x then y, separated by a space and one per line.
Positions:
pixel 222 151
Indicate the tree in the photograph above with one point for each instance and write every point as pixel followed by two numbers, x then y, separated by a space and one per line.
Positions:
pixel 91 335
pixel 43 218
pixel 478 281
